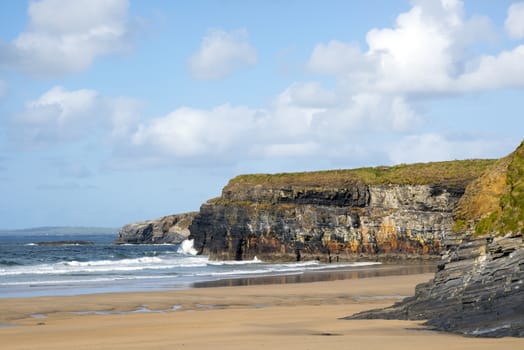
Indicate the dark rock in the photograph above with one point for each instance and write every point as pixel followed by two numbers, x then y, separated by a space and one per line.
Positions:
pixel 479 286
pixel 326 223
pixel 475 292
pixel 171 229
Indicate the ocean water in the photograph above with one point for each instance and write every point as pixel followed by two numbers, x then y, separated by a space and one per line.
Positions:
pixel 29 268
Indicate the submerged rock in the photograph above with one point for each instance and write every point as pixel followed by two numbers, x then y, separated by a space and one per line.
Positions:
pixel 172 229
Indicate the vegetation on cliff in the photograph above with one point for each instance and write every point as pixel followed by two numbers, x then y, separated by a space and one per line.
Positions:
pixel 451 173
pixel 494 203
pixel 388 211
pixel 477 289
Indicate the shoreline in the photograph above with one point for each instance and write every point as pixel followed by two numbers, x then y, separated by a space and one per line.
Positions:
pixel 286 316
pixel 37 310
pixel 337 274
pixel 235 275
pixel 326 275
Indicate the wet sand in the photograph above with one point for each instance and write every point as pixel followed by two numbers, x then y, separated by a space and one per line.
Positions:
pixel 267 316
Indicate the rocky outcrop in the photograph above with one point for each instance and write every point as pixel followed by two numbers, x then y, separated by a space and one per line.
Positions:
pixel 479 286
pixel 478 289
pixel 168 229
pixel 379 213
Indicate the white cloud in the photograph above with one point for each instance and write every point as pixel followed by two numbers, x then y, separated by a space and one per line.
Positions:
pixel 188 132
pixel 430 147
pixel 428 51
pixel 374 100
pixel 414 55
pixel 60 115
pixel 221 53
pixel 310 94
pixel 337 57
pixel 515 21
pixel 290 127
pixel 365 112
pixel 506 70
pixel 66 36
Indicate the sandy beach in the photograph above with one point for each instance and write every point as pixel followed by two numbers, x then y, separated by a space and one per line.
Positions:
pixel 284 316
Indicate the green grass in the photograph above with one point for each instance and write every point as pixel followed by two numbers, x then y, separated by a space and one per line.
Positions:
pixel 458 172
pixel 512 202
pixel 510 216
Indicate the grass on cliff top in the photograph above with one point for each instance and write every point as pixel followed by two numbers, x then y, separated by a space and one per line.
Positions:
pixel 450 173
pixel 509 216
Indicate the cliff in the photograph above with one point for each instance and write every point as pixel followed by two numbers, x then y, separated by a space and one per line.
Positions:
pixel 479 286
pixel 168 229
pixel 381 213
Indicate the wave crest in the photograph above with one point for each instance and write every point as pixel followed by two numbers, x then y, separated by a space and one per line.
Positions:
pixel 186 247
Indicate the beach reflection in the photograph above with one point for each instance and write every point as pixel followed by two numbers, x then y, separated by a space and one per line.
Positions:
pixel 322 276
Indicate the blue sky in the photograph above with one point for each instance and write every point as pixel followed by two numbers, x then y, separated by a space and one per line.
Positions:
pixel 113 111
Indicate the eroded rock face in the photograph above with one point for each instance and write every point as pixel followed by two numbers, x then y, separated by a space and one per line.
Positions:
pixel 478 289
pixel 299 222
pixel 479 286
pixel 168 229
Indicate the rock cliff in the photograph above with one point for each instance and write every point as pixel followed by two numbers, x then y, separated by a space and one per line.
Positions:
pixel 479 286
pixel 168 229
pixel 380 213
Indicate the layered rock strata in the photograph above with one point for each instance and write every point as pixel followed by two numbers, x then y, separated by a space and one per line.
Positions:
pixel 168 229
pixel 379 213
pixel 479 286
pixel 478 289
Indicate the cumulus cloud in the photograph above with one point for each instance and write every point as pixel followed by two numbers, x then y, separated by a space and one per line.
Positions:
pixel 338 57
pixel 375 99
pixel 504 70
pixel 66 36
pixel 60 115
pixel 371 112
pixel 309 94
pixel 515 21
pixel 292 126
pixel 221 53
pixel 428 51
pixel 189 132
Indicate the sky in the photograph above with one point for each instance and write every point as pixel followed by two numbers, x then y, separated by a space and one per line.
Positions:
pixel 115 111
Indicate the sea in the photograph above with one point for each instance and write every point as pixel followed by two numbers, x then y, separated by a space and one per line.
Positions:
pixel 60 264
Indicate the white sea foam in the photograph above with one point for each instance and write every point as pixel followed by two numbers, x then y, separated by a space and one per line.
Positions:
pixel 186 247
pixel 103 266
pixel 235 262
pixel 171 263
pixel 137 261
